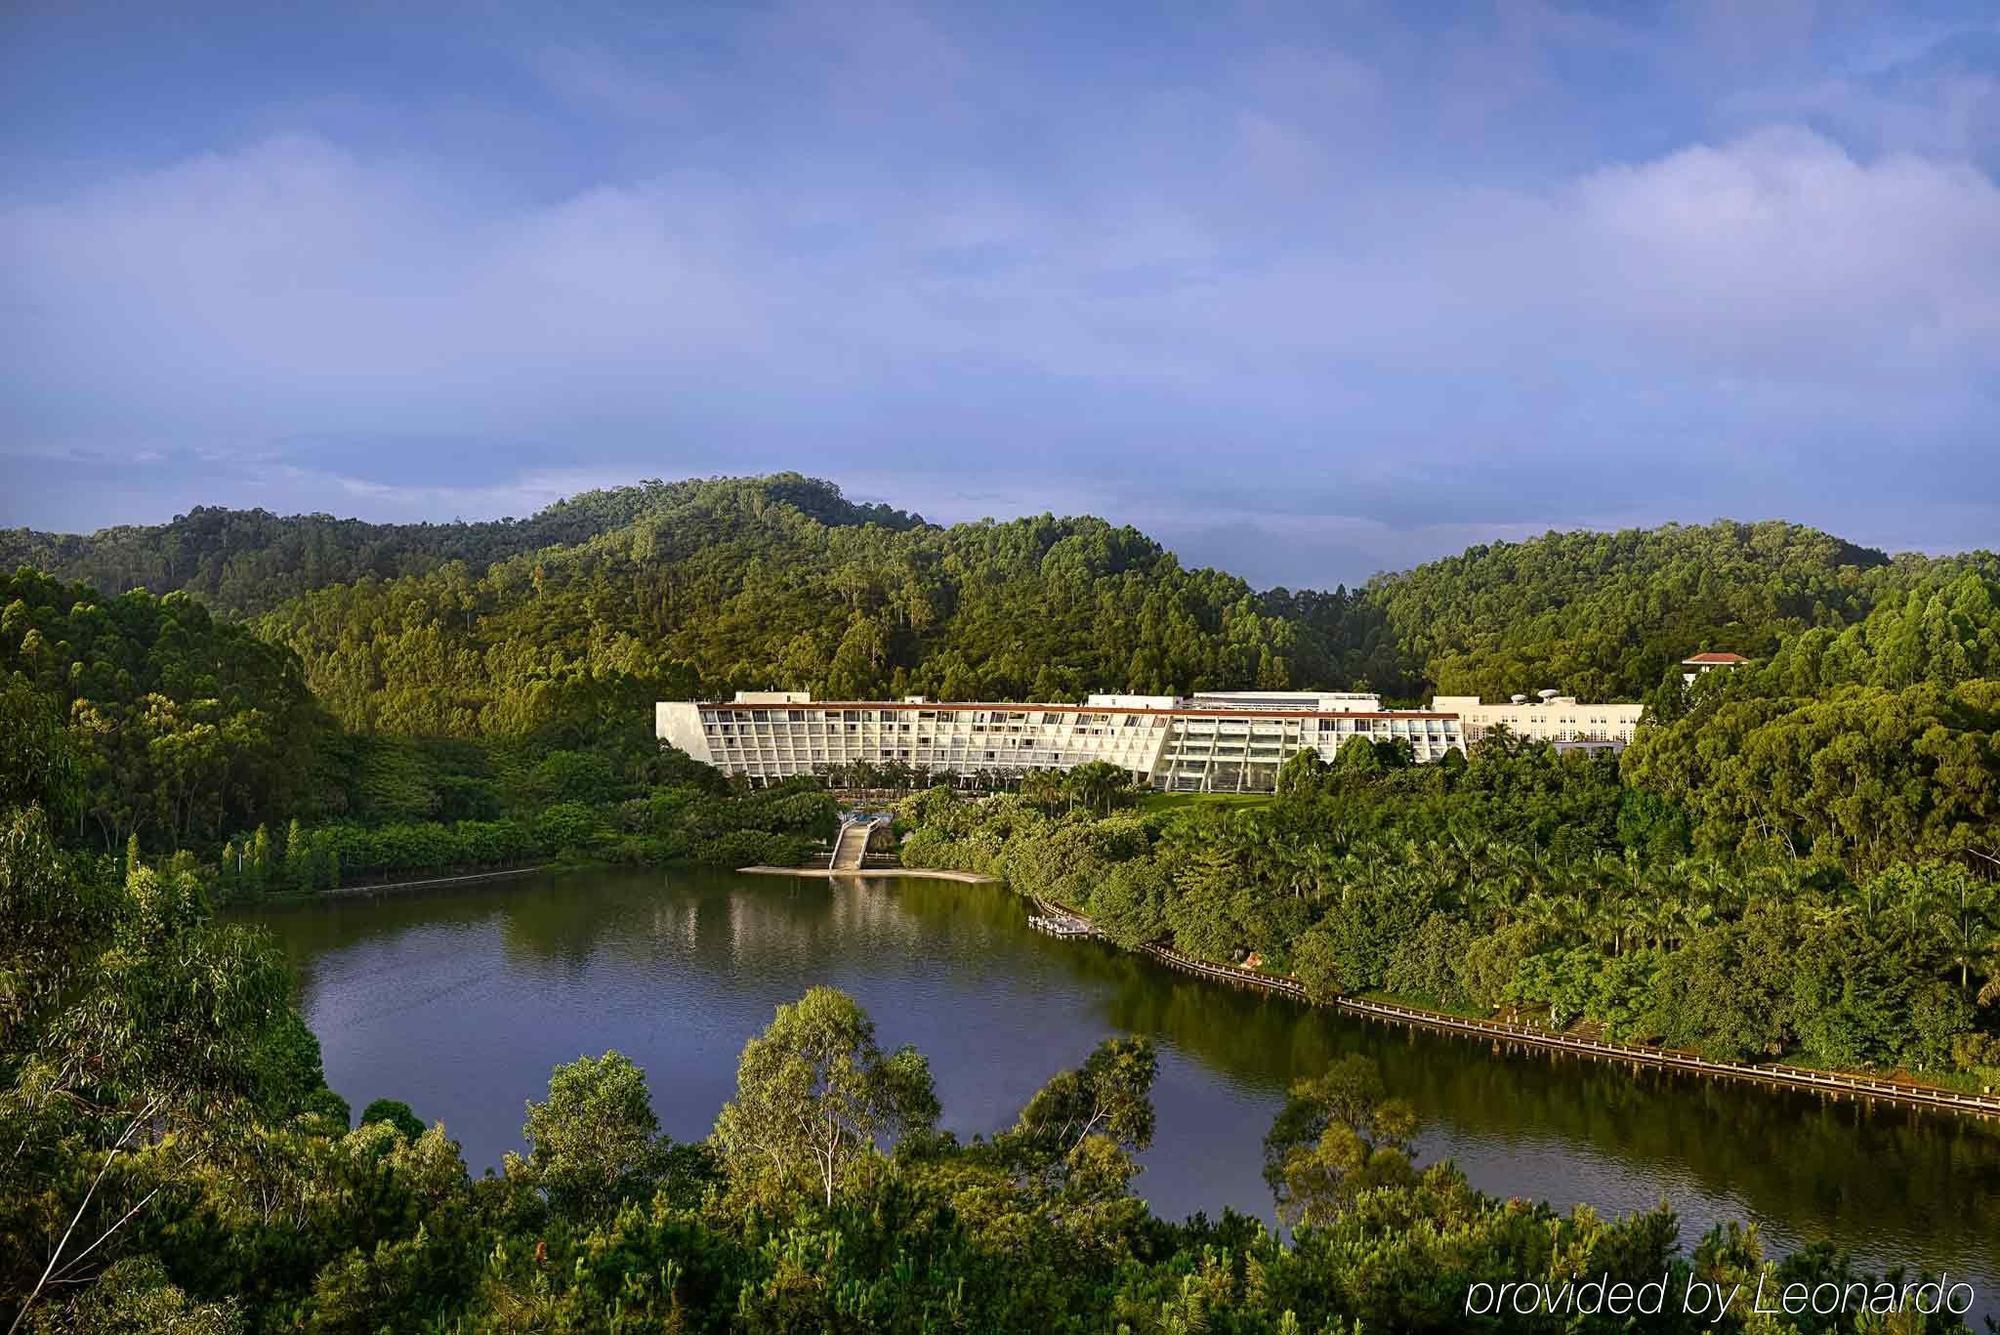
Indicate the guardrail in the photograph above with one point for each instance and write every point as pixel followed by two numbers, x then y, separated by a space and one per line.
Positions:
pixel 1797 1077
pixel 385 887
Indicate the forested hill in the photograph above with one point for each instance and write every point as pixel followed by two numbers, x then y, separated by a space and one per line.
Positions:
pixel 1608 615
pixel 727 590
pixel 704 586
pixel 1868 721
pixel 248 561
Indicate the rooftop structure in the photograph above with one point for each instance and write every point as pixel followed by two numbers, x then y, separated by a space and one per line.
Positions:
pixel 1697 664
pixel 1208 742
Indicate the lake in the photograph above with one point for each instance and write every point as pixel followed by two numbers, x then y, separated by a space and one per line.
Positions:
pixel 459 1003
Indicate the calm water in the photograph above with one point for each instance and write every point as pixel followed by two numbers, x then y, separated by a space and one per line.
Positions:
pixel 460 1004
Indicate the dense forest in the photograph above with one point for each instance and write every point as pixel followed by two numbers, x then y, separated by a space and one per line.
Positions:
pixel 476 629
pixel 429 687
pixel 248 561
pixel 729 590
pixel 1608 615
pixel 190 734
pixel 178 1164
pixel 1524 882
pixel 1795 859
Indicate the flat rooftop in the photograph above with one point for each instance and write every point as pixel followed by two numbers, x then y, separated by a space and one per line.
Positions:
pixel 1199 706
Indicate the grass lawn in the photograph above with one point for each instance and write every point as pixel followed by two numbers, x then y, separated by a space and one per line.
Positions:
pixel 1176 801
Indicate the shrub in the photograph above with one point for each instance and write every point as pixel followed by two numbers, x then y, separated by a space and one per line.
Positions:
pixel 568 826
pixel 1425 965
pixel 749 848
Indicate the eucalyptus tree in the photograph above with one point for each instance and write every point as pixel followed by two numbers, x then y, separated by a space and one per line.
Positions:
pixel 167 1040
pixel 595 1141
pixel 1109 1097
pixel 1337 1135
pixel 815 1094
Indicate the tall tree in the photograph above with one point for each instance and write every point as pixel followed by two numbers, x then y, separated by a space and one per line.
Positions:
pixel 814 1093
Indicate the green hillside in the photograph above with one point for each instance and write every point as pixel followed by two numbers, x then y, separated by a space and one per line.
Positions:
pixel 704 586
pixel 728 587
pixel 248 561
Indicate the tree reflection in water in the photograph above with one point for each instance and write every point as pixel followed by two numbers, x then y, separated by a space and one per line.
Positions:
pixel 461 1002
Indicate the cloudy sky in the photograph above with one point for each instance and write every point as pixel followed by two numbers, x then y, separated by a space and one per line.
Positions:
pixel 1307 291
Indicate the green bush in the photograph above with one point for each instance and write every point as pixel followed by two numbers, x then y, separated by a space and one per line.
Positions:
pixel 750 848
pixel 569 826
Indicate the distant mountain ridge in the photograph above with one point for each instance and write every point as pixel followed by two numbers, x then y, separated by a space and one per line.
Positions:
pixel 243 562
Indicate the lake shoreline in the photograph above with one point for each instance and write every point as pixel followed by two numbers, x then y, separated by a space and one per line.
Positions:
pixel 876 873
pixel 461 1000
pixel 1833 1083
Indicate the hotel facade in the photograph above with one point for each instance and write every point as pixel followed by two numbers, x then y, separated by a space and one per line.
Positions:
pixel 1229 742
pixel 1561 719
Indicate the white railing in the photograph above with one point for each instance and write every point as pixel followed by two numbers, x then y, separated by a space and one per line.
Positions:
pixel 1670 1058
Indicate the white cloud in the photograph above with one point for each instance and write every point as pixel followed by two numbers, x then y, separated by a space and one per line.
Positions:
pixel 1773 288
pixel 1782 251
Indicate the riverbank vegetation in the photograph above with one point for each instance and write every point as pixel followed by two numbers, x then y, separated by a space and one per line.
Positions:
pixel 1537 884
pixel 178 1164
pixel 190 735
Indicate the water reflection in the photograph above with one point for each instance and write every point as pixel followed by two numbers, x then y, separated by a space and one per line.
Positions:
pixel 462 1001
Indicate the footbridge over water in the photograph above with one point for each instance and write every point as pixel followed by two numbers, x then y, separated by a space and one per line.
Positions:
pixel 859 833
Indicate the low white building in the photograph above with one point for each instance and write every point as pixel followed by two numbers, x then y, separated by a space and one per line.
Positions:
pixel 1215 742
pixel 1548 717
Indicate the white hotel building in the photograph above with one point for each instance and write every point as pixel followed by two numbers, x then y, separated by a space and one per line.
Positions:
pixel 1233 741
pixel 1561 719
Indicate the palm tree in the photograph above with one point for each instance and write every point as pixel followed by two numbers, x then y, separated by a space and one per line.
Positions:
pixel 1521 869
pixel 1871 896
pixel 1297 868
pixel 1690 917
pixel 1558 914
pixel 1989 992
pixel 1484 900
pixel 1711 880
pixel 1965 923
pixel 1919 904
pixel 1325 863
pixel 1655 920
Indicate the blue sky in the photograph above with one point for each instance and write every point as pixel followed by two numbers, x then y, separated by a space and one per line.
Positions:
pixel 1307 291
